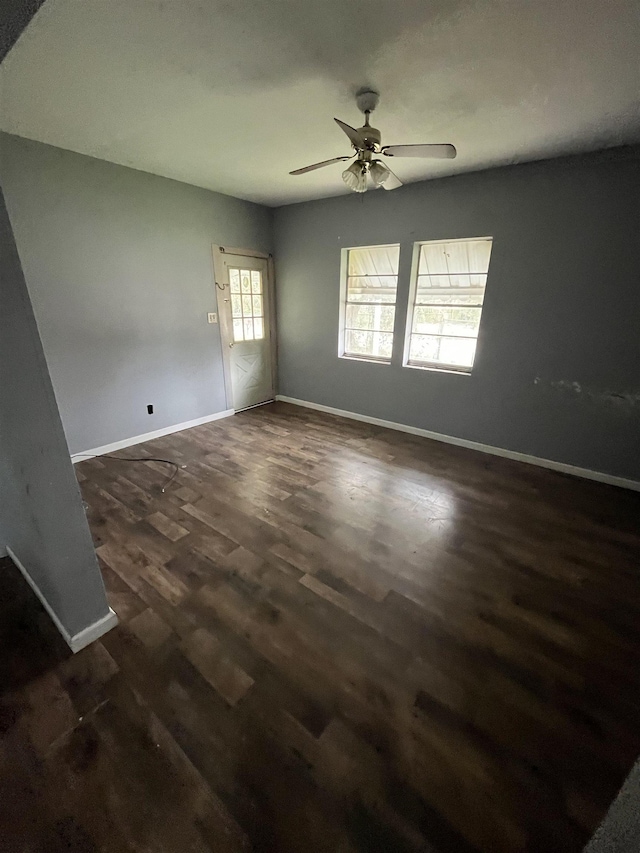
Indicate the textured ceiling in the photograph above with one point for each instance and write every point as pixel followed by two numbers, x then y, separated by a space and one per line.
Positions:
pixel 232 95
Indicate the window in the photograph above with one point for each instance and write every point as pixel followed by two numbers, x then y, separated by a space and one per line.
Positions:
pixel 448 292
pixel 247 308
pixel 369 303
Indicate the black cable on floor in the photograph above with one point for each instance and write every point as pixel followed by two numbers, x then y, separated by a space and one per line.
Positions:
pixel 137 459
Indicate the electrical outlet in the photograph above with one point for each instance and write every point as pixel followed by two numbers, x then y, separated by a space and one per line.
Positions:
pixel 212 317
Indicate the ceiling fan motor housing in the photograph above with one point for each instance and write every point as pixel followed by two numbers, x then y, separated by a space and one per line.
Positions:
pixel 371 136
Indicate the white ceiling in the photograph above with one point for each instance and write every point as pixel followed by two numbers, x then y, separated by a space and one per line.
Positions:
pixel 233 94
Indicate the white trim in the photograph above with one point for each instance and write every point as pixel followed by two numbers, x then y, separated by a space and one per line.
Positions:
pixel 148 436
pixel 450 370
pixel 257 405
pixel 563 467
pixel 247 253
pixel 220 287
pixel 222 259
pixel 82 638
pixel 385 362
pixel 342 312
pixel 273 319
pixel 93 632
pixel 411 298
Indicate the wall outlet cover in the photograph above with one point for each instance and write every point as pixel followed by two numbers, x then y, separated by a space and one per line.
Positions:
pixel 212 317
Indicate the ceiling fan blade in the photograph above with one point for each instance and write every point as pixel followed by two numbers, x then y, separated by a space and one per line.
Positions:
pixel 318 165
pixel 392 182
pixel 352 133
pixel 441 152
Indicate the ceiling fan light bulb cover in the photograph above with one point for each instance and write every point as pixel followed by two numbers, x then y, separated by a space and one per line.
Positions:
pixel 379 173
pixel 355 178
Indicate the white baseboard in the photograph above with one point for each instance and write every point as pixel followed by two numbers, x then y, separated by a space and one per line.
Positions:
pixel 148 436
pixel 93 632
pixel 78 641
pixel 563 467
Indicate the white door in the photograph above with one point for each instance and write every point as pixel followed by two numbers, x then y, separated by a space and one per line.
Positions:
pixel 248 330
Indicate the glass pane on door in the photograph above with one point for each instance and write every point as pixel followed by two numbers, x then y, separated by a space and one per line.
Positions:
pixel 247 304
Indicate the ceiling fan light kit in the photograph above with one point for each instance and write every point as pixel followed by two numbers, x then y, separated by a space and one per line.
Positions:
pixel 355 177
pixel 379 173
pixel 366 141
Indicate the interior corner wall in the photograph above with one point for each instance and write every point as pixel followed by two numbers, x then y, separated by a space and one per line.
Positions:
pixel 42 519
pixel 119 269
pixel 16 14
pixel 557 366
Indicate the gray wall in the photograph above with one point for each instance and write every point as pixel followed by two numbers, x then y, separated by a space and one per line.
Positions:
pixel 620 830
pixel 41 514
pixel 14 17
pixel 562 306
pixel 119 269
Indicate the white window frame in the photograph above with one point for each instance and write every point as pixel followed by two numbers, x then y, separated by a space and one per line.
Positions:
pixel 438 366
pixel 342 322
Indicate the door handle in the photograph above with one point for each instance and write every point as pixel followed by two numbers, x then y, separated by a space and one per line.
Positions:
pixel 231 344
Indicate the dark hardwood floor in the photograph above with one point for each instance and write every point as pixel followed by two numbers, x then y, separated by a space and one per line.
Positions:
pixel 333 638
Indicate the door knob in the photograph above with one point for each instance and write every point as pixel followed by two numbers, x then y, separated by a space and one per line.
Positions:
pixel 231 343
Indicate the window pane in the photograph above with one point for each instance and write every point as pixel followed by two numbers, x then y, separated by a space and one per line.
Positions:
pixel 372 280
pixel 257 306
pixel 443 290
pixel 478 279
pixel 236 305
pixel 458 281
pixel 234 281
pixel 428 320
pixel 445 321
pixel 258 328
pixel 372 288
pixel 470 297
pixel 457 257
pixel 374 260
pixel 424 348
pixel 245 281
pixel 383 344
pixel 373 317
pixel 248 329
pixel 246 305
pixel 372 344
pixel 237 331
pixel 456 352
pixel 358 343
pixel 360 316
pixel 256 281
pixel 479 255
pixel 433 259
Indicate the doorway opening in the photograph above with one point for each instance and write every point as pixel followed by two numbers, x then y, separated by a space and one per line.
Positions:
pixel 244 284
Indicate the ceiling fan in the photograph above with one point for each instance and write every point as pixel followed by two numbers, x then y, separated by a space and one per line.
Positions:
pixel 366 142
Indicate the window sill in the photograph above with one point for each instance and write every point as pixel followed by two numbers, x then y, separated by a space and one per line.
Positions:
pixel 368 360
pixel 462 371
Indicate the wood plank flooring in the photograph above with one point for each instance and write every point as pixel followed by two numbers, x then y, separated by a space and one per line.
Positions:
pixel 333 638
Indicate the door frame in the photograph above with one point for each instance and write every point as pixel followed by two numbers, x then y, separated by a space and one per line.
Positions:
pixel 221 287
